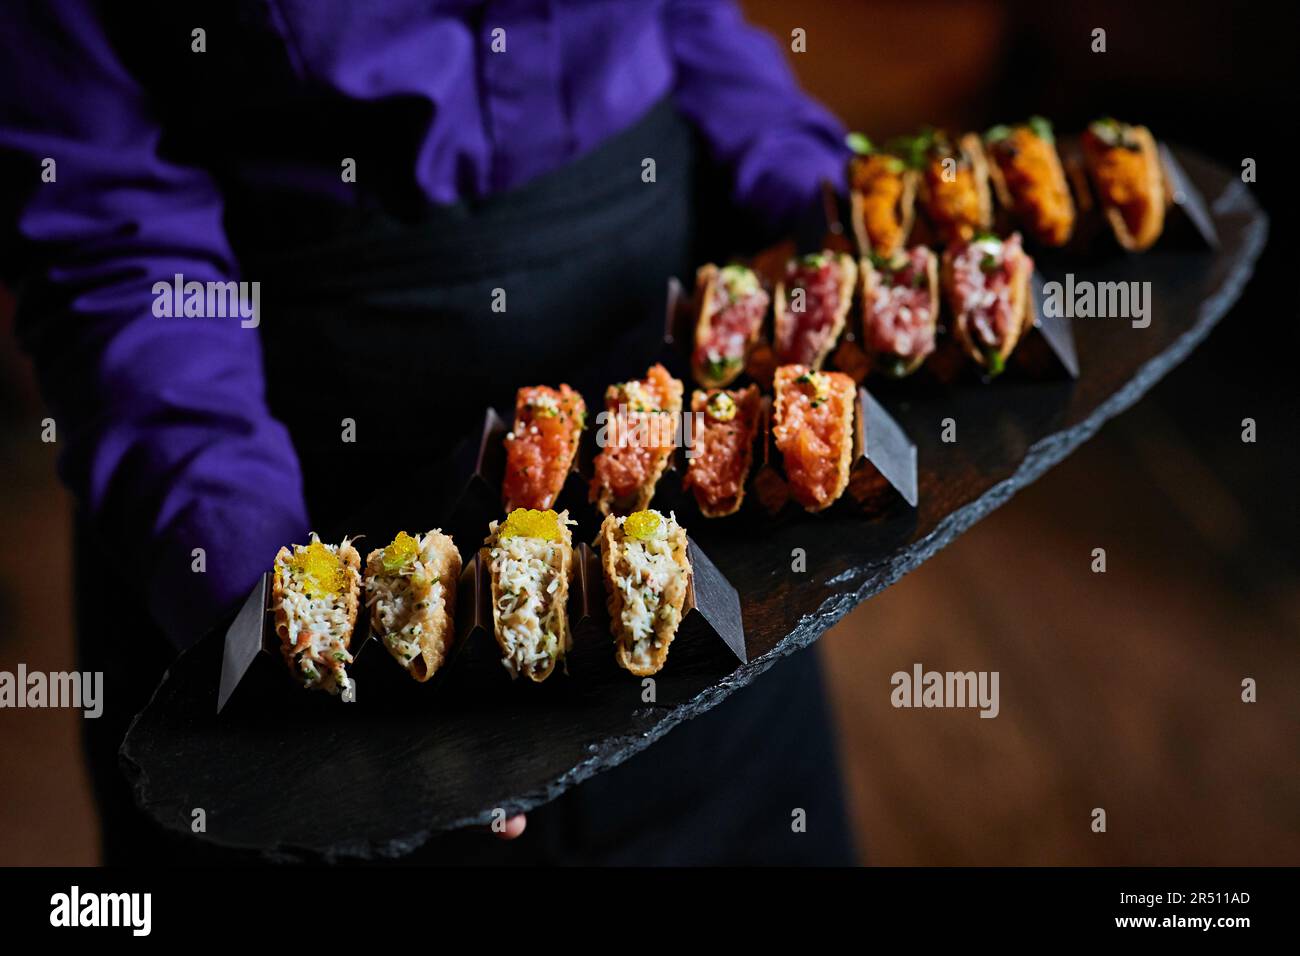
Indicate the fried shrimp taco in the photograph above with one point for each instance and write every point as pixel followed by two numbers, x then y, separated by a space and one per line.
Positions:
pixel 646 572
pixel 732 304
pixel 812 303
pixel 1123 165
pixel 530 563
pixel 813 430
pixel 723 448
pixel 987 283
pixel 541 447
pixel 411 593
pixel 315 594
pixel 900 309
pixel 639 437
pixel 1029 179
pixel 955 191
pixel 882 197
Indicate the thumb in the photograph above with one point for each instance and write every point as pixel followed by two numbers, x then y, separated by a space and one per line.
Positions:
pixel 513 827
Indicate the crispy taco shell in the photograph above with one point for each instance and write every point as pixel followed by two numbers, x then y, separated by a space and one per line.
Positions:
pixel 436 572
pixel 945 229
pixel 841 453
pixel 611 543
pixel 348 597
pixel 1142 236
pixel 536 469
pixel 707 278
pixel 560 565
pixel 605 498
pixel 903 213
pixel 783 317
pixel 749 404
pixel 1022 310
pixel 1021 207
pixel 899 368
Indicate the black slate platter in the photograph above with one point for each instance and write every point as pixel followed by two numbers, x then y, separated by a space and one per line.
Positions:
pixel 379 783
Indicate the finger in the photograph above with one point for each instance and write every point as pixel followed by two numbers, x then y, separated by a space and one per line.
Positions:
pixel 514 827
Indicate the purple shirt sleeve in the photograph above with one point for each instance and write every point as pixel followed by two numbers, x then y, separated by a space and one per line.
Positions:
pixel 165 436
pixel 734 84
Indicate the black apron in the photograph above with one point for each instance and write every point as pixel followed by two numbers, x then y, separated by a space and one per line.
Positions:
pixel 446 310
pixel 436 314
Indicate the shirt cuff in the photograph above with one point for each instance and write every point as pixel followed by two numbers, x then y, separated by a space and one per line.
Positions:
pixel 190 593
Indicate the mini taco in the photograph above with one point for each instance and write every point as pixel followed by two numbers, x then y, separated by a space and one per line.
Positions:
pixel 1029 179
pixel 411 593
pixel 812 302
pixel 530 564
pixel 954 191
pixel 542 445
pixel 987 283
pixel 733 304
pixel 813 431
pixel 646 572
pixel 638 438
pixel 900 309
pixel 882 197
pixel 315 594
pixel 723 448
pixel 1124 168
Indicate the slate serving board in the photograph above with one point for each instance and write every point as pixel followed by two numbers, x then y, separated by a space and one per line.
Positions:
pixel 381 782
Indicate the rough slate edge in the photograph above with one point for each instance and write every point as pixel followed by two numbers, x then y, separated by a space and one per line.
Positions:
pixel 614 750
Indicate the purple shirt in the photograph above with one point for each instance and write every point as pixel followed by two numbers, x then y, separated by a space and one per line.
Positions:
pixel 167 441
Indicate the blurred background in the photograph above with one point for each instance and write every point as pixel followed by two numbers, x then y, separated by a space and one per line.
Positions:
pixel 1120 690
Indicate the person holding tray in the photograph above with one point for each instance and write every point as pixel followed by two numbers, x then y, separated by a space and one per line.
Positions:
pixel 274 259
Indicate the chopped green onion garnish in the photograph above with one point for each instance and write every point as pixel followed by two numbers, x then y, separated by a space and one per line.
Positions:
pixel 859 144
pixel 1042 128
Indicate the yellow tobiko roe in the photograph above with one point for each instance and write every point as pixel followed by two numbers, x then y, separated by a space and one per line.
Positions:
pixel 400 552
pixel 321 568
pixel 641 525
pixel 529 523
